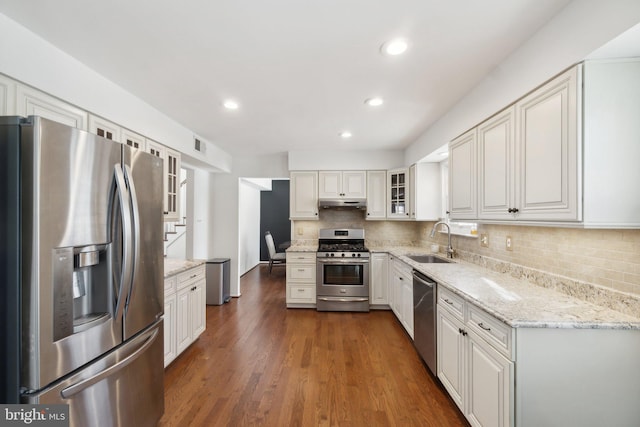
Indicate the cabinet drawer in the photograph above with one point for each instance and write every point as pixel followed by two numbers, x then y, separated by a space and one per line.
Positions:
pixel 301 273
pixel 301 294
pixel 190 276
pixel 301 257
pixel 495 332
pixel 453 302
pixel 170 284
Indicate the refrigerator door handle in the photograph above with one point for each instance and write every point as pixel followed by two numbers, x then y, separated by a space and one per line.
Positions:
pixel 135 211
pixel 80 386
pixel 127 256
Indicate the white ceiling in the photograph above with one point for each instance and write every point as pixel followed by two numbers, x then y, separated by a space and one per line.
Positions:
pixel 300 69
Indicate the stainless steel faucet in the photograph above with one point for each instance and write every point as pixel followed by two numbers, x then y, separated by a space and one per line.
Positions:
pixel 450 251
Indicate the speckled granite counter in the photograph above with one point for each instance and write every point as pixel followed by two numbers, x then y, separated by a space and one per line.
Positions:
pixel 516 302
pixel 174 266
pixel 303 247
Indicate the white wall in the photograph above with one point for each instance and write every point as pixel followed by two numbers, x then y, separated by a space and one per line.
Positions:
pixel 32 60
pixel 345 160
pixel 224 234
pixel 248 226
pixel 579 29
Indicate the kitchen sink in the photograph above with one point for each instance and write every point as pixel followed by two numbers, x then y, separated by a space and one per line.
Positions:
pixel 427 259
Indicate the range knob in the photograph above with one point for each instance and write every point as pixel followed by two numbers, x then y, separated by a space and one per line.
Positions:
pixel 343 254
pixel 326 255
pixel 332 254
pixel 353 255
pixel 359 255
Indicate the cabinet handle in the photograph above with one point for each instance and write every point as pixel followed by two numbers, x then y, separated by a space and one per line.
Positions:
pixel 463 332
pixel 400 278
pixel 316 213
pixel 448 302
pixel 484 327
pixel 192 276
pixel 300 290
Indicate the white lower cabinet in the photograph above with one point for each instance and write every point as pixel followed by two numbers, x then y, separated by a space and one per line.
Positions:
pixel 401 293
pixel 301 279
pixel 185 311
pixel 378 280
pixel 478 376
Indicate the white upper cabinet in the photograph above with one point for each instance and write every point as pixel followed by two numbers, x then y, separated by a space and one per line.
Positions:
pixel 303 195
pixel 565 154
pixel 425 191
pixel 32 102
pixel 7 96
pixel 496 177
pixel 172 181
pixel 547 151
pixel 611 102
pixel 133 139
pixel 342 184
pixel 398 194
pixel 171 174
pixel 376 195
pixel 462 177
pixel 104 128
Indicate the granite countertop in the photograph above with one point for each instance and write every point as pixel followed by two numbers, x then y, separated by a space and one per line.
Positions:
pixel 303 247
pixel 174 266
pixel 516 302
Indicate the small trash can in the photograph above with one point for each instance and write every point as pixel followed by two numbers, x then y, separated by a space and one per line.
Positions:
pixel 217 273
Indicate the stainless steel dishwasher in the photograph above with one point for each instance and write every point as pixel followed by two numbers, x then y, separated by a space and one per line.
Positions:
pixel 424 318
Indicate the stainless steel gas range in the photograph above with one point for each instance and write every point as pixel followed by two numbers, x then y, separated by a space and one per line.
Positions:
pixel 342 270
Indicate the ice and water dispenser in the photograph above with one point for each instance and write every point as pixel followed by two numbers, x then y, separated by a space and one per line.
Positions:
pixel 81 289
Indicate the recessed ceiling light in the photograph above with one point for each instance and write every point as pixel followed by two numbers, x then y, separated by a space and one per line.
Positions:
pixel 345 134
pixel 394 47
pixel 230 104
pixel 374 102
pixel 444 153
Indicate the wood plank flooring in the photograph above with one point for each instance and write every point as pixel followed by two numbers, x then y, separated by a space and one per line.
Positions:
pixel 261 364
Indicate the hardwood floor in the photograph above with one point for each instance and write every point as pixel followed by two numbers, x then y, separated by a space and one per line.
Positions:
pixel 261 364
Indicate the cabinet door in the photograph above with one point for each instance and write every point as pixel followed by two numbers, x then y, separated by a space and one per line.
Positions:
pixel 547 151
pixel 354 184
pixel 462 177
pixel 104 128
pixel 495 166
pixel 451 355
pixel 425 191
pixel 378 279
pixel 31 102
pixel 329 184
pixel 172 188
pixel 198 310
pixel 133 140
pixel 407 304
pixel 397 194
pixel 303 196
pixel 489 384
pixel 183 320
pixel 169 329
pixel 376 195
pixel 7 96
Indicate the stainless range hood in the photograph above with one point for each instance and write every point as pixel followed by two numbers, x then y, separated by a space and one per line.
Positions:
pixel 342 203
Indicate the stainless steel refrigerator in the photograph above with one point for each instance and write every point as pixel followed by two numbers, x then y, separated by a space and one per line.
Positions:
pixel 83 219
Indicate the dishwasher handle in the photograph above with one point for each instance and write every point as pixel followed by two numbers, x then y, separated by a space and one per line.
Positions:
pixel 427 281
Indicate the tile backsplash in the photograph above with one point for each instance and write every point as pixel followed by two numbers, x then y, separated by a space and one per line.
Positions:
pixel 607 258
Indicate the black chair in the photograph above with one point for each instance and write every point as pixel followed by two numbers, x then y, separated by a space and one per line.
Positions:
pixel 274 257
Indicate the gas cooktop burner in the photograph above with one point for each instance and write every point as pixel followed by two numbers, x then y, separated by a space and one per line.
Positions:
pixel 342 243
pixel 342 247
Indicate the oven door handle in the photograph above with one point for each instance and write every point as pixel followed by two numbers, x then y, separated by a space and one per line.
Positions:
pixel 338 299
pixel 343 260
